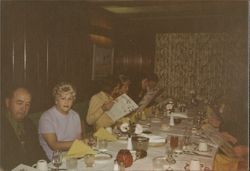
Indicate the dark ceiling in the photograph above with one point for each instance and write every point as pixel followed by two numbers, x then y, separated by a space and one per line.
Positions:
pixel 172 16
pixel 158 10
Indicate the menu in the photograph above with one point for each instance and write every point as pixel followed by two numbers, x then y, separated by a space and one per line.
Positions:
pixel 216 138
pixel 123 105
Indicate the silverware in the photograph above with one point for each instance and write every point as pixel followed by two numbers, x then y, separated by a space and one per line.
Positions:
pixel 197 154
pixel 203 155
pixel 55 169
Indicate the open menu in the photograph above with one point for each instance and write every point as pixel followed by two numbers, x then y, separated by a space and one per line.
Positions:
pixel 216 138
pixel 123 105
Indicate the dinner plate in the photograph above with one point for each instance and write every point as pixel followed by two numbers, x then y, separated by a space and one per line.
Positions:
pixel 156 144
pixel 102 157
pixel 155 120
pixel 165 129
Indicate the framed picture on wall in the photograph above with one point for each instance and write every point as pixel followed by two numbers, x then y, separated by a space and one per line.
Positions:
pixel 102 65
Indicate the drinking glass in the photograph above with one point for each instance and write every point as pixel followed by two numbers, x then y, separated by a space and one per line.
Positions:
pixel 91 140
pixel 71 164
pixel 57 159
pixel 169 153
pixel 158 164
pixel 174 142
pixel 89 160
pixel 102 145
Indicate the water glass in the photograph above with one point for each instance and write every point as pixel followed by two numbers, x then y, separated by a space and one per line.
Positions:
pixel 57 159
pixel 174 142
pixel 158 164
pixel 102 145
pixel 71 164
pixel 89 160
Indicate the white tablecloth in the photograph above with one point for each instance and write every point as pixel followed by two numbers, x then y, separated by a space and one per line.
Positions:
pixel 146 163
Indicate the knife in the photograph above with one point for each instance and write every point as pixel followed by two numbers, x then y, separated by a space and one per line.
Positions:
pixel 197 154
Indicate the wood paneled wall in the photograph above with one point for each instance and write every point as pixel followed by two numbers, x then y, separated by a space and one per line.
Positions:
pixel 42 44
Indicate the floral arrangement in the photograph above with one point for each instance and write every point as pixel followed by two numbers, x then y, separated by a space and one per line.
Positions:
pixel 131 128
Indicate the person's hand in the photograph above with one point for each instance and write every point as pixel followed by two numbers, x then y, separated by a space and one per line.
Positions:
pixel 107 106
pixel 226 136
pixel 91 141
pixel 241 150
pixel 215 122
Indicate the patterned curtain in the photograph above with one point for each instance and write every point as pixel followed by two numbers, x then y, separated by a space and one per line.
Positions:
pixel 212 64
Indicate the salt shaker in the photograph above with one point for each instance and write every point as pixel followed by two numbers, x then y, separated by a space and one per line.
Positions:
pixel 116 166
pixel 129 145
pixel 171 123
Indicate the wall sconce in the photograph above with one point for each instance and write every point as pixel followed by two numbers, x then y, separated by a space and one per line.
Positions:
pixel 99 39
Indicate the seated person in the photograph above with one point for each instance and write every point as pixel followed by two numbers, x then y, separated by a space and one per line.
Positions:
pixel 124 83
pixel 149 90
pixel 219 118
pixel 102 102
pixel 19 138
pixel 60 125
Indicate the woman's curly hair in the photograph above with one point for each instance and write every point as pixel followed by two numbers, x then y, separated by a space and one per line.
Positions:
pixel 64 87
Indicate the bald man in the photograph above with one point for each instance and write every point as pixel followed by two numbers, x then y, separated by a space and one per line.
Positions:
pixel 19 138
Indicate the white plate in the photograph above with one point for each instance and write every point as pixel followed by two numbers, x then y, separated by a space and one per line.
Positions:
pixel 155 120
pixel 102 158
pixel 203 152
pixel 165 129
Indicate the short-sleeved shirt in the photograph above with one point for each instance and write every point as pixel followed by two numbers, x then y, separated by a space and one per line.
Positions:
pixel 66 127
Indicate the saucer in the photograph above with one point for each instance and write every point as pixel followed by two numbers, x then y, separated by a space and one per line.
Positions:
pixel 186 167
pixel 178 151
pixel 165 129
pixel 102 157
pixel 208 152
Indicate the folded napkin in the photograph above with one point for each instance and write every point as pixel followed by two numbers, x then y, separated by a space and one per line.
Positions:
pixel 79 149
pixel 103 134
pixel 154 138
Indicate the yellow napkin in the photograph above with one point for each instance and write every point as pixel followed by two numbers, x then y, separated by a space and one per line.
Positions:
pixel 79 149
pixel 224 163
pixel 104 134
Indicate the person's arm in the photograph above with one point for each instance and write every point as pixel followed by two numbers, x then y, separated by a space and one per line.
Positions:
pixel 229 138
pixel 54 144
pixel 97 109
pixel 241 150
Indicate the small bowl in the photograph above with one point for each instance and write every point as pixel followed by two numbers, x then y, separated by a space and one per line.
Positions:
pixel 140 143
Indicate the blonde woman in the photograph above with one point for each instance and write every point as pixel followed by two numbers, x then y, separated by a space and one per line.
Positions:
pixel 60 125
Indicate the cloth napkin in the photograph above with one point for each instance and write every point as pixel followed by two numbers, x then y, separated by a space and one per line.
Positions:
pixel 79 149
pixel 103 134
pixel 24 167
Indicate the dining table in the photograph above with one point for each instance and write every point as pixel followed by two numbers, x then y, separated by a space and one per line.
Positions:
pixel 153 127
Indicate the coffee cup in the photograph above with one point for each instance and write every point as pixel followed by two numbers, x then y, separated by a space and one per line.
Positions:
pixel 195 165
pixel 133 153
pixel 41 165
pixel 202 146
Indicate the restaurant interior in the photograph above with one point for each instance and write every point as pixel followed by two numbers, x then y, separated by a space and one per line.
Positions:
pixel 199 46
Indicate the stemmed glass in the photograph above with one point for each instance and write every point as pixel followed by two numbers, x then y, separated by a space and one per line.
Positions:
pixel 57 159
pixel 169 158
pixel 173 145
